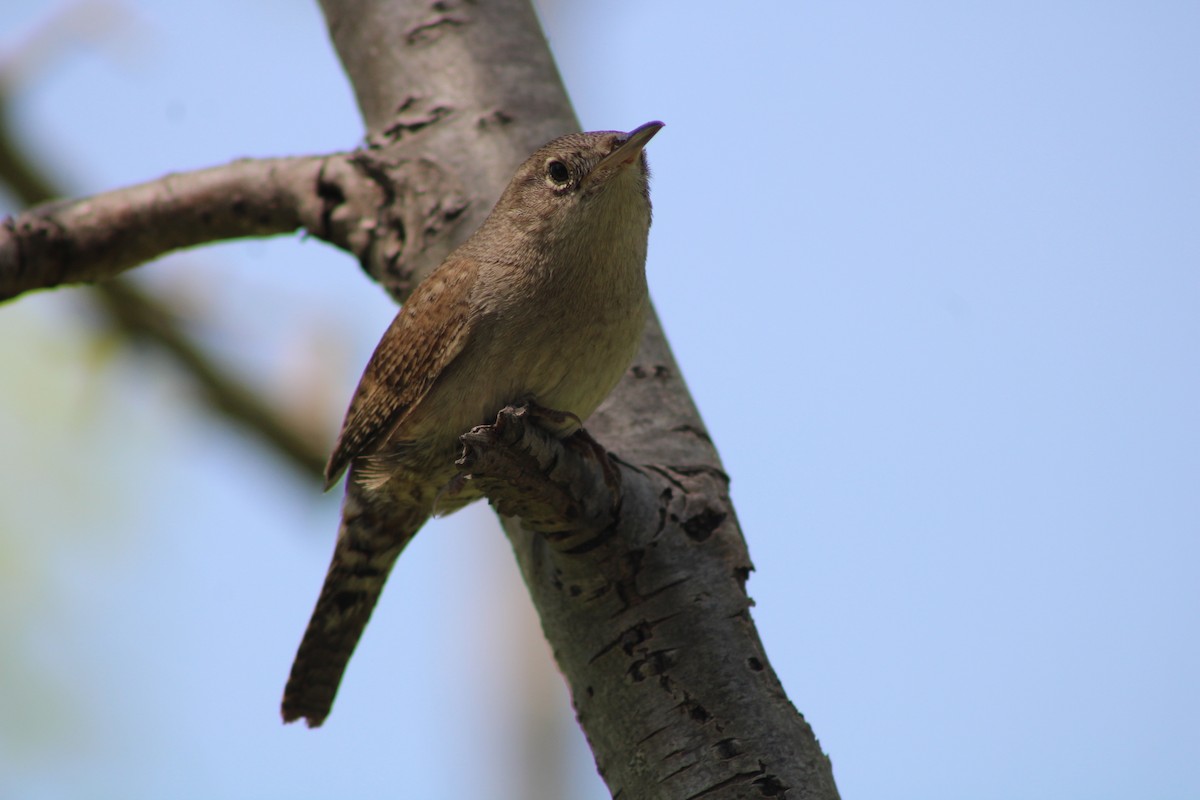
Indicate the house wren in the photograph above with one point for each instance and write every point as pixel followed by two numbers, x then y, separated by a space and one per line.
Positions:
pixel 545 304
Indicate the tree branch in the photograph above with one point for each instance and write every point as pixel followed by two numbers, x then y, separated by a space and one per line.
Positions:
pixel 651 626
pixel 648 617
pixel 467 89
pixel 90 239
pixel 681 646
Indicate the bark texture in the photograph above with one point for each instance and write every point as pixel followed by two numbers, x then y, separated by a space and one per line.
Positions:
pixel 635 561
pixel 455 94
pixel 639 578
pixel 648 617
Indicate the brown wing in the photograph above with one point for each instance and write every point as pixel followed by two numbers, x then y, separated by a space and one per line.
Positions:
pixel 428 333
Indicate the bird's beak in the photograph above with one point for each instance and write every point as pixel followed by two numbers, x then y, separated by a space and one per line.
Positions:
pixel 629 150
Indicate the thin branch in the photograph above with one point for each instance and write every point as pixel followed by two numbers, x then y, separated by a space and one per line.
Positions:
pixel 140 318
pixel 30 185
pixel 87 240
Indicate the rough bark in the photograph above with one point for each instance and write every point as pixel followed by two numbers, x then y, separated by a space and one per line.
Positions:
pixel 640 582
pixel 459 91
pixel 636 563
pixel 650 624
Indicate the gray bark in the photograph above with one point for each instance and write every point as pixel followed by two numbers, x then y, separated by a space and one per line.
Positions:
pixel 650 626
pixel 636 564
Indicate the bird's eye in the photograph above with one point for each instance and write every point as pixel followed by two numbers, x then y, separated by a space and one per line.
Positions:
pixel 558 172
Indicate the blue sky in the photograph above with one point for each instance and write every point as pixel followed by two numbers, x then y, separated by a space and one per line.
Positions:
pixel 932 271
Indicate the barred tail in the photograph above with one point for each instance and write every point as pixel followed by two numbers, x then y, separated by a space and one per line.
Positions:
pixel 372 534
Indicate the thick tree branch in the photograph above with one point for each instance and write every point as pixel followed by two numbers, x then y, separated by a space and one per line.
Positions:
pixel 640 582
pixel 648 617
pixel 650 624
pixel 678 667
pixel 466 89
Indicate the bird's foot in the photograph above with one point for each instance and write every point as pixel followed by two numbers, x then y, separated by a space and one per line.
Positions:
pixel 561 423
pixel 566 488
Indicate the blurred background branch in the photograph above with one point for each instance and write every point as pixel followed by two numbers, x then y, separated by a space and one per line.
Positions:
pixel 136 312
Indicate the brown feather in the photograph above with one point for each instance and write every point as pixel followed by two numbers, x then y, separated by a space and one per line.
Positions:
pixel 374 530
pixel 429 332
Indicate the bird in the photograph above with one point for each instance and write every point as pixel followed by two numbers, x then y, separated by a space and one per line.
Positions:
pixel 544 304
